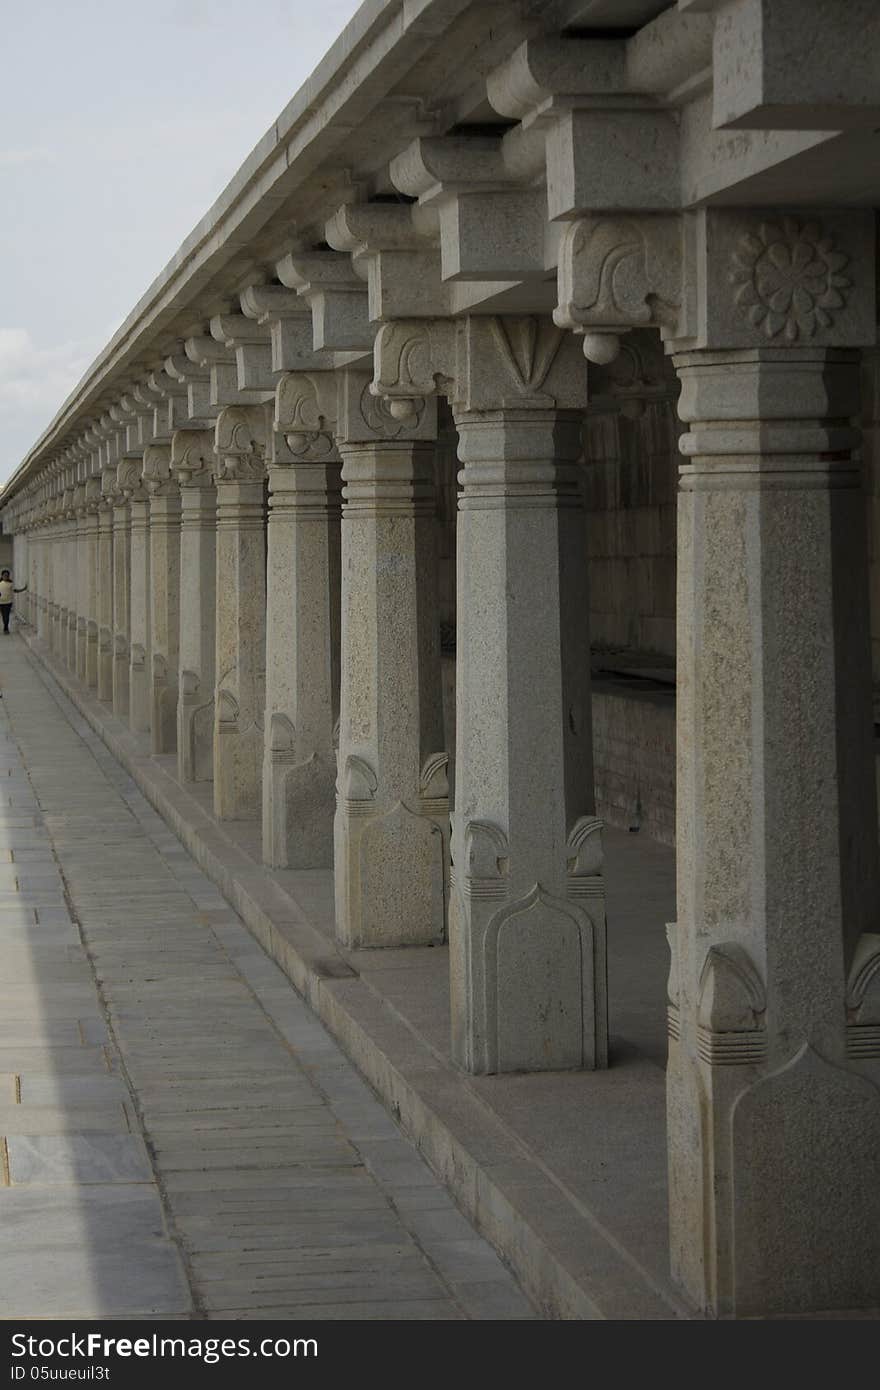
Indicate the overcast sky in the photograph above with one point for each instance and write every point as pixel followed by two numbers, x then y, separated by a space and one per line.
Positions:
pixel 120 123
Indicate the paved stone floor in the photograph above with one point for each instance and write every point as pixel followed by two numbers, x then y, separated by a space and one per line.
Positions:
pixel 180 1136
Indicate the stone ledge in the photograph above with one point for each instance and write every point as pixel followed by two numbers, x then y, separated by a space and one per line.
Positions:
pixel 569 1259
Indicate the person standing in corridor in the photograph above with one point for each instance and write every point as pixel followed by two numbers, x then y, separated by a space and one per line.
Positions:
pixel 7 590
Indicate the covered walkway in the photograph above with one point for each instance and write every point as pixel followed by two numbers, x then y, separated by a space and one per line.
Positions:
pixel 180 1136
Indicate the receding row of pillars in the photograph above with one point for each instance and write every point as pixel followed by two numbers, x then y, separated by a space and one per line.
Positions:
pixel 774 990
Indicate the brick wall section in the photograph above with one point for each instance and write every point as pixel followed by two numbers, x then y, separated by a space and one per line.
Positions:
pixel 634 752
pixel 871 453
pixel 631 457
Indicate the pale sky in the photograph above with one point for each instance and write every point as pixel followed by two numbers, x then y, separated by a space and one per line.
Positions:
pixel 120 123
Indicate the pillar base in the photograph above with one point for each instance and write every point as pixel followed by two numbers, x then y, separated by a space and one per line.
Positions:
pixel 195 731
pixel 299 802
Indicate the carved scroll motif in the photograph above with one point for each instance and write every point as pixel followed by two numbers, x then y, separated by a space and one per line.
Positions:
pixel 617 273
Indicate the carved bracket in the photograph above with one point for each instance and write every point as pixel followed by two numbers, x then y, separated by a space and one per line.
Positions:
pixel 618 273
pixel 306 412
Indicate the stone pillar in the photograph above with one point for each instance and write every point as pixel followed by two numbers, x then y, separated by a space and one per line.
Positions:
pixel 105 590
pixel 121 577
pixel 164 596
pixel 192 459
pixel 302 634
pixel 72 584
pixel 240 441
pixel 139 685
pixel 527 913
pixel 55 550
pixel 774 1136
pixel 82 583
pixel 93 492
pixel 391 823
pixel 527 929
pixel 42 582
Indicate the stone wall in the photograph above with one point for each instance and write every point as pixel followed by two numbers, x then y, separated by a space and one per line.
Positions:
pixel 634 752
pixel 631 472
pixel 871 455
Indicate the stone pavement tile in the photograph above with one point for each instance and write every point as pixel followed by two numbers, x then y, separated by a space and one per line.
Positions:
pixel 256 1123
pixel 20 912
pixel 495 1300
pixel 54 1061
pixel 395 1163
pixel 72 1090
pixel 412 1310
pixel 53 1119
pixel 336 1286
pixel 33 931
pixel 293 1232
pixel 275 1266
pixel 108 1217
pixel 27 1029
pixel 90 1283
pixel 48 1159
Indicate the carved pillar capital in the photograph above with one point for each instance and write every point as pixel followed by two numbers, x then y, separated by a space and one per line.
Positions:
pixel 479 362
pixel 719 279
pixel 192 458
pixel 306 412
pixel 157 470
pixel 240 438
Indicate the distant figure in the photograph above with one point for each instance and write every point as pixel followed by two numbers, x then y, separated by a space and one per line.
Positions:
pixel 7 589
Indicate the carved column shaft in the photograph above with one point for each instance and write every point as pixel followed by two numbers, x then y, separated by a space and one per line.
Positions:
pixel 773 1138
pixel 91 612
pixel 121 606
pixel 104 581
pixel 391 819
pixel 139 697
pixel 241 614
pixel 198 619
pixel 164 597
pixel 72 589
pixel 527 920
pixel 43 584
pixel 302 657
pixel 83 527
pixel 57 583
pixel 528 940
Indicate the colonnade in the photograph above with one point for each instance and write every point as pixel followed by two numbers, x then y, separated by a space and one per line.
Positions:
pixel 260 598
pixel 232 542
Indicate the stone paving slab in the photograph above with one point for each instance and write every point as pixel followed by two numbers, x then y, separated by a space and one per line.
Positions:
pixel 180 1136
pixel 50 1159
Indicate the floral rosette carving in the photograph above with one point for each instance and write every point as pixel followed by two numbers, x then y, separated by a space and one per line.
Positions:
pixel 789 278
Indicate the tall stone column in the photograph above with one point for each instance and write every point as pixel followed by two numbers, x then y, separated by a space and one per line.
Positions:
pixel 82 582
pixel 392 807
pixel 302 626
pixel 93 494
pixel 164 596
pixel 56 576
pixel 121 602
pixel 192 461
pixel 42 582
pixel 239 443
pixel 105 587
pixel 774 1136
pixel 71 587
pixel 527 915
pixel 527 935
pixel 139 683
